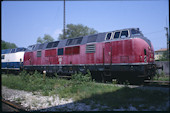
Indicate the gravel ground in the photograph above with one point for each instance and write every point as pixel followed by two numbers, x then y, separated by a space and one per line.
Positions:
pixel 36 102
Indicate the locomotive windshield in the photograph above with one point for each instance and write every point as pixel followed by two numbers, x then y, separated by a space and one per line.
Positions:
pixel 30 48
pixel 20 49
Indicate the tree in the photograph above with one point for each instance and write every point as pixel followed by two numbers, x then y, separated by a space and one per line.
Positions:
pixel 165 56
pixel 7 45
pixel 46 38
pixel 73 31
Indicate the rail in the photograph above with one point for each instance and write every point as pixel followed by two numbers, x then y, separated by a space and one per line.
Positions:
pixel 12 106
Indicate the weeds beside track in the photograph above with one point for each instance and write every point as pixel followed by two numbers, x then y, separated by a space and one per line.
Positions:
pixel 82 89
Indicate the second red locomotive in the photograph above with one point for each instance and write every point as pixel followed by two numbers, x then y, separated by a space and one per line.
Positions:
pixel 122 54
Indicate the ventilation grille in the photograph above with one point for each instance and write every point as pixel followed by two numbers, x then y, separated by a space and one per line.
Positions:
pixel 90 48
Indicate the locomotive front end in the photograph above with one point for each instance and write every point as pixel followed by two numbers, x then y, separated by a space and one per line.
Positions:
pixel 144 53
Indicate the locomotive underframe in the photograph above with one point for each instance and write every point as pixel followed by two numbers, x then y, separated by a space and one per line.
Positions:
pixel 145 71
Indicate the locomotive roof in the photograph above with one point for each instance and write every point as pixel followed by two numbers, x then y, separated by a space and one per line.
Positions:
pixel 13 50
pixel 99 37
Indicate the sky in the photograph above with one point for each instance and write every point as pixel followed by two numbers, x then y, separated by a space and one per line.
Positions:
pixel 22 22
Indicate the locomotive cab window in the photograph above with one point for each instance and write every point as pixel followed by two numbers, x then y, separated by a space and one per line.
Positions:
pixel 116 35
pixel 124 34
pixel 108 36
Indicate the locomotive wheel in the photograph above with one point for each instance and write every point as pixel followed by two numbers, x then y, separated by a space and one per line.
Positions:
pixel 106 77
pixel 121 80
pixel 96 76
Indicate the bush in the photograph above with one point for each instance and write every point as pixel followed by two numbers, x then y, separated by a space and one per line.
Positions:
pixel 24 76
pixel 81 77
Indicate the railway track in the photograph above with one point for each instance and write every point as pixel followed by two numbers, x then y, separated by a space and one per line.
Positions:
pixel 156 83
pixel 8 106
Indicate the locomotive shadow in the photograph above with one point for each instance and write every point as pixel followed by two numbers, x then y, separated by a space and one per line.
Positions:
pixel 119 100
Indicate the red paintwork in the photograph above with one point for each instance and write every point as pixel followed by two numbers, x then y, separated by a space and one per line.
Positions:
pixel 115 52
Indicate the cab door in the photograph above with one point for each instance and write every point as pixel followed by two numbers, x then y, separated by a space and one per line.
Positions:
pixel 108 53
pixel 31 59
pixel 107 50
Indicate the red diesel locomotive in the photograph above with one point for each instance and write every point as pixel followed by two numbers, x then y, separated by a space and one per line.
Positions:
pixel 122 54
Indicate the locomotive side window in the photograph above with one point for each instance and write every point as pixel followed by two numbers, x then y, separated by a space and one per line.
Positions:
pixel 92 38
pixel 49 45
pixel 55 44
pixel 124 34
pixel 38 53
pixel 60 51
pixel 40 46
pixel 20 49
pixel 79 40
pixel 5 51
pixel 30 48
pixel 116 35
pixel 74 41
pixel 108 36
pixel 70 42
pixel 52 44
pixel 13 51
pixel 33 47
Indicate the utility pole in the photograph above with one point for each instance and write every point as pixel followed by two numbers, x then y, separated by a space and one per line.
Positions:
pixel 166 28
pixel 64 22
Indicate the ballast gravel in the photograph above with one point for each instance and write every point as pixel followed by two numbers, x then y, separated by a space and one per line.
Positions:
pixel 36 102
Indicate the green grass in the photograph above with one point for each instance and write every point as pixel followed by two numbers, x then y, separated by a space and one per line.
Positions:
pixel 161 77
pixel 82 89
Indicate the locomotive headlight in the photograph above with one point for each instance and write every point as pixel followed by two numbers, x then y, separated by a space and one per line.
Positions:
pixel 149 48
pixel 140 58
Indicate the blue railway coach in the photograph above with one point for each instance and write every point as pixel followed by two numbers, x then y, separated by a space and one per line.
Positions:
pixel 12 59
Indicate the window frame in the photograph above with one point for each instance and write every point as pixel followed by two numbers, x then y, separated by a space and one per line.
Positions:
pixel 111 37
pixel 39 53
pixel 13 51
pixel 115 33
pixel 40 46
pixel 52 44
pixel 58 53
pixel 124 37
pixel 74 41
